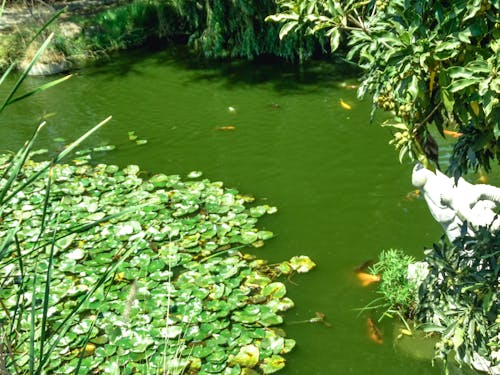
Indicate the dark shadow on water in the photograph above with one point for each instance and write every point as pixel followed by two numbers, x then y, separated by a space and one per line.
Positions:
pixel 284 76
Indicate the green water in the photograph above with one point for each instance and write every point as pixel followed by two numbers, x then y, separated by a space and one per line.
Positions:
pixel 337 183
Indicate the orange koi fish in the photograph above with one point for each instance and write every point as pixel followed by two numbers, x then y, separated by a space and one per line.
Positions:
pixel 367 278
pixel 345 105
pixel 412 195
pixel 374 332
pixel 452 133
pixel 225 128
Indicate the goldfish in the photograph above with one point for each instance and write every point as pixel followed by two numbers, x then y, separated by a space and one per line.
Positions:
pixel 348 85
pixel 87 351
pixel 228 127
pixel 345 105
pixel 452 133
pixel 374 332
pixel 483 178
pixel 412 195
pixel 367 278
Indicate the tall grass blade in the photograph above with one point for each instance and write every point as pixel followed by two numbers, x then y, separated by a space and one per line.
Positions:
pixel 84 346
pixel 46 295
pixel 89 332
pixel 81 228
pixel 57 158
pixel 47 24
pixel 7 72
pixel 46 200
pixel 23 76
pixel 18 162
pixel 21 286
pixel 49 267
pixel 32 324
pixel 76 143
pixel 2 7
pixel 41 88
pixel 7 242
pixel 61 330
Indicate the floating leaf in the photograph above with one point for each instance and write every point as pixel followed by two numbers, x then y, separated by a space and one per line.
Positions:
pixel 302 263
pixel 194 174
pixel 272 364
pixel 132 136
pixel 248 356
pixel 276 290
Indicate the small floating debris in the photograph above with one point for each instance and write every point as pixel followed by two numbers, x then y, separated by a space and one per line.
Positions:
pixel 231 110
pixel 345 105
pixel 133 137
pixel 274 105
pixel 225 128
pixel 374 333
pixel 319 317
pixel 103 148
pixel 194 174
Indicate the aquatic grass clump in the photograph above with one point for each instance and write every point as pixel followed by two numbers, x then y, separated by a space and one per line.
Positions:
pixel 133 275
pixel 398 291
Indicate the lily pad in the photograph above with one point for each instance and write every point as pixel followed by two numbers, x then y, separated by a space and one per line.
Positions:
pixel 272 364
pixel 302 263
pixel 248 356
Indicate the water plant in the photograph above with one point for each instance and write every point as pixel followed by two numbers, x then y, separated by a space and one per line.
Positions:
pixel 143 274
pixel 398 291
pixel 103 271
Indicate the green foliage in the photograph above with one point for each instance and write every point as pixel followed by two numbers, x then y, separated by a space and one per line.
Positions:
pixel 141 275
pixel 430 63
pixel 227 28
pixel 121 27
pixel 460 298
pixel 398 292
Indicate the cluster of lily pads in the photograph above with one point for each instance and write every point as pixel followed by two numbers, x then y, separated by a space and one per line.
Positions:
pixel 120 273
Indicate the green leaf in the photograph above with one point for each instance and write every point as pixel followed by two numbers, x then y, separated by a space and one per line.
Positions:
pixel 302 263
pixel 286 28
pixel 248 356
pixel 334 39
pixel 461 84
pixel 272 364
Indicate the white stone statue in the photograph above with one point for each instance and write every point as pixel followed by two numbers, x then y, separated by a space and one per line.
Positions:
pixel 453 203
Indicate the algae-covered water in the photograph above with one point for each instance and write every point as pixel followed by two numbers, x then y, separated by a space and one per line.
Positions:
pixel 279 132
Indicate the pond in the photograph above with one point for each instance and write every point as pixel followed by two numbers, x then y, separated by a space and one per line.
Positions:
pixel 279 132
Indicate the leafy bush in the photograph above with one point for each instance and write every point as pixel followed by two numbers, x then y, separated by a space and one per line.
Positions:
pixel 123 27
pixel 398 292
pixel 460 299
pixel 430 63
pixel 394 285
